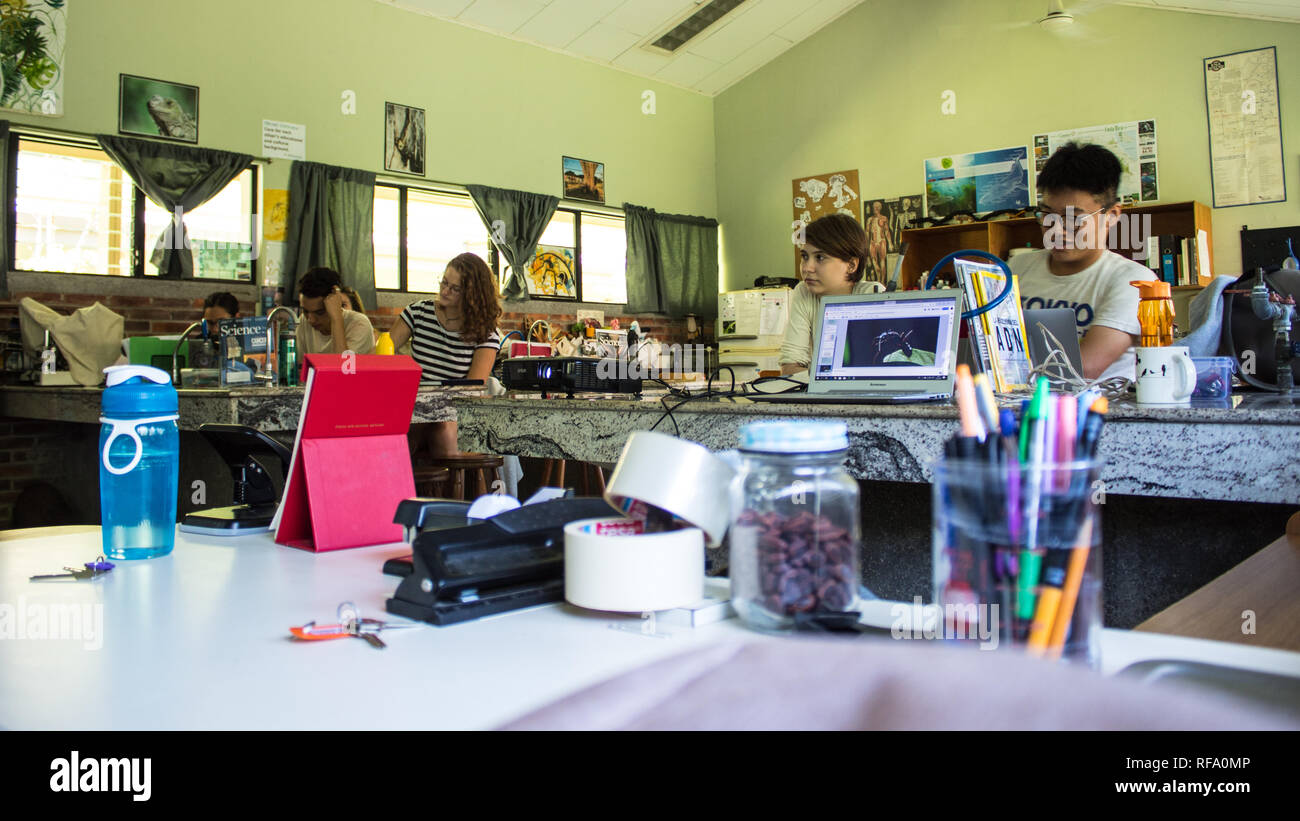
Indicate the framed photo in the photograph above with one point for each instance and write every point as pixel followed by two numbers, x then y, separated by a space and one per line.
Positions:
pixel 403 139
pixel 157 108
pixel 551 273
pixel 584 180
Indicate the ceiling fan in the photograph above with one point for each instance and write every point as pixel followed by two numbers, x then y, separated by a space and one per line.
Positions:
pixel 1062 20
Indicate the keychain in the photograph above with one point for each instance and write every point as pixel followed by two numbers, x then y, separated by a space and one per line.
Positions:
pixel 92 570
pixel 350 625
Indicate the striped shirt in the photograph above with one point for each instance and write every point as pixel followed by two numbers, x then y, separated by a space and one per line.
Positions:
pixel 442 354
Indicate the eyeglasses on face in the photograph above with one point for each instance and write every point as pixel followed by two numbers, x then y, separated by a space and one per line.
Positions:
pixel 1045 215
pixel 450 287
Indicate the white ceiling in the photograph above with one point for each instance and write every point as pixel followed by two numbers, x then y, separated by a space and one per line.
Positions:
pixel 616 32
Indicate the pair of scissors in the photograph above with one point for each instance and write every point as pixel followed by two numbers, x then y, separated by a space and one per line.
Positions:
pixel 350 625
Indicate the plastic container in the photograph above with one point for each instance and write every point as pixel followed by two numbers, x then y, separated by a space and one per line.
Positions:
pixel 1213 377
pixel 1155 313
pixel 1017 558
pixel 384 344
pixel 794 530
pixel 139 463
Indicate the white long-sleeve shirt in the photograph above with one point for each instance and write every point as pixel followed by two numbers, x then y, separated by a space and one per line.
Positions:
pixel 805 313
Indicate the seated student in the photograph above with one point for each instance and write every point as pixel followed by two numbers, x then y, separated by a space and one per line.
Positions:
pixel 1075 269
pixel 453 336
pixel 329 326
pixel 834 254
pixel 220 305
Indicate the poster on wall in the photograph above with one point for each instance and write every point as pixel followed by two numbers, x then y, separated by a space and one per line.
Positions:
pixel 33 37
pixel 977 183
pixel 403 139
pixel 583 179
pixel 157 108
pixel 550 273
pixel 886 219
pixel 284 141
pixel 1133 143
pixel 1245 128
pixel 275 214
pixel 823 194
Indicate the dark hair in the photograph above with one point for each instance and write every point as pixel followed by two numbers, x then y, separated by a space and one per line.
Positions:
pixel 479 303
pixel 842 237
pixel 224 300
pixel 318 282
pixel 1089 168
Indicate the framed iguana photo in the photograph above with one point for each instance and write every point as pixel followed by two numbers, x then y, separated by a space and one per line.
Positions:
pixel 157 108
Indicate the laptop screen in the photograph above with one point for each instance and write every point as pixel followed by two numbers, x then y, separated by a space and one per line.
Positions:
pixel 887 337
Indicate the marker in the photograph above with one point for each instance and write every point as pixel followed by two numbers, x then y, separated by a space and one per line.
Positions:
pixel 1070 590
pixel 1065 438
pixel 966 408
pixel 1029 561
pixel 1096 417
pixel 987 404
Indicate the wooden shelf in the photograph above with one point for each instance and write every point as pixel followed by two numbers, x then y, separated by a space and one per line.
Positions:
pixel 926 246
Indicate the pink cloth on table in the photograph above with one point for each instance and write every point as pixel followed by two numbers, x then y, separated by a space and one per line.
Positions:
pixel 830 684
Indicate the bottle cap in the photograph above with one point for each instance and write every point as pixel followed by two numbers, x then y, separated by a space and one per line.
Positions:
pixel 794 437
pixel 1152 289
pixel 138 390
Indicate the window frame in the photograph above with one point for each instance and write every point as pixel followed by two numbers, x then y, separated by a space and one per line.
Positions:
pixel 136 218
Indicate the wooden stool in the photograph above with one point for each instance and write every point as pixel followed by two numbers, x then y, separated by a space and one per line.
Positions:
pixel 430 481
pixel 590 477
pixel 481 468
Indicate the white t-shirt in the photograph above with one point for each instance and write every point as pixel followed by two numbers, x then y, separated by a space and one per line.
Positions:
pixel 356 327
pixel 797 347
pixel 1099 295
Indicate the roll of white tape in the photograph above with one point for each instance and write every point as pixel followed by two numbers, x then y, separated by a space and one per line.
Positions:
pixel 635 573
pixel 678 476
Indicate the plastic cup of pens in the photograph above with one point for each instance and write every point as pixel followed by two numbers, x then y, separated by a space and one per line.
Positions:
pixel 1017 553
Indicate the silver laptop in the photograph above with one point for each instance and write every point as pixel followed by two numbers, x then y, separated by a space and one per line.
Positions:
pixel 1061 322
pixel 899 346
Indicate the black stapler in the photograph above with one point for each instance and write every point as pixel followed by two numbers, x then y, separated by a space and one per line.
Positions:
pixel 255 497
pixel 512 560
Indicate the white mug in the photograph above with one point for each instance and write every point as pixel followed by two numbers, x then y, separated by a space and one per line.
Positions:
pixel 1165 376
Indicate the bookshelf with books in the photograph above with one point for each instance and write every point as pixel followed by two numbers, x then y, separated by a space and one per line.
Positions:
pixel 926 246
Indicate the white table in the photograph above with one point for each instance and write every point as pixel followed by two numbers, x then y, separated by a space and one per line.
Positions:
pixel 199 640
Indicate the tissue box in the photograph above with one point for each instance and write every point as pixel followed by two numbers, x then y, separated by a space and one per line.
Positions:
pixel 1213 377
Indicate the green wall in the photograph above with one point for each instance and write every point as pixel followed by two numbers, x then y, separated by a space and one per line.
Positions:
pixel 499 112
pixel 865 93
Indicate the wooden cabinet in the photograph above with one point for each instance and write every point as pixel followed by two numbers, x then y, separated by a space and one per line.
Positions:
pixel 926 246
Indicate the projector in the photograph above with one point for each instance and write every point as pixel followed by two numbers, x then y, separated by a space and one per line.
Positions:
pixel 569 375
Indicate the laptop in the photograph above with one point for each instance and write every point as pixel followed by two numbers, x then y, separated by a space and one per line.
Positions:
pixel 898 346
pixel 1061 323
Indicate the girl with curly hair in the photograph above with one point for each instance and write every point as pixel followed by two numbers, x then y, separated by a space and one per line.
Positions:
pixel 455 335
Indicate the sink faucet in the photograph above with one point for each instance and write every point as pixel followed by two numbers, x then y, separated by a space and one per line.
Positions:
pixel 176 373
pixel 272 343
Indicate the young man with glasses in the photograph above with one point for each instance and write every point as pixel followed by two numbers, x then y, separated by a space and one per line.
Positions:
pixel 1075 269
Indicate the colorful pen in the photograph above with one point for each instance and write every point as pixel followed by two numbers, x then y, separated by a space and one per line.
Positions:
pixel 966 408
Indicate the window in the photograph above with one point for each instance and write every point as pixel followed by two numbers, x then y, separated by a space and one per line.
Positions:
pixel 437 227
pixel 600 251
pixel 72 211
pixel 77 212
pixel 417 232
pixel 220 231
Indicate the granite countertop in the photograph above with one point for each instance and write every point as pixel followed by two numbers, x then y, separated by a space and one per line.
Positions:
pixel 264 408
pixel 1241 453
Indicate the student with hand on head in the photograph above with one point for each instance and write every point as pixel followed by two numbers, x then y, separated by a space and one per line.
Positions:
pixel 329 326
pixel 834 255
pixel 455 335
pixel 1075 269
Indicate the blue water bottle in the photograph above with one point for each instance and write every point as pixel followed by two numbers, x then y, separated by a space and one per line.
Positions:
pixel 139 463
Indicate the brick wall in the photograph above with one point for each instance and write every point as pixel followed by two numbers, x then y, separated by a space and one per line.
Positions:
pixel 143 315
pixel 32 451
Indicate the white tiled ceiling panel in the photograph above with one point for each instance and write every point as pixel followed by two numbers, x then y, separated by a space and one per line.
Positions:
pixel 619 33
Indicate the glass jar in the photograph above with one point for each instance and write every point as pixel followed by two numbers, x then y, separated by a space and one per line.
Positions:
pixel 794 529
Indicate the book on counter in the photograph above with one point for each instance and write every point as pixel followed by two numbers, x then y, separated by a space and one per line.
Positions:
pixel 244 349
pixel 998 336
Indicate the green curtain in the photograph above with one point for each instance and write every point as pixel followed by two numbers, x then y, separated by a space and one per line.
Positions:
pixel 178 178
pixel 331 224
pixel 5 261
pixel 672 263
pixel 515 220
